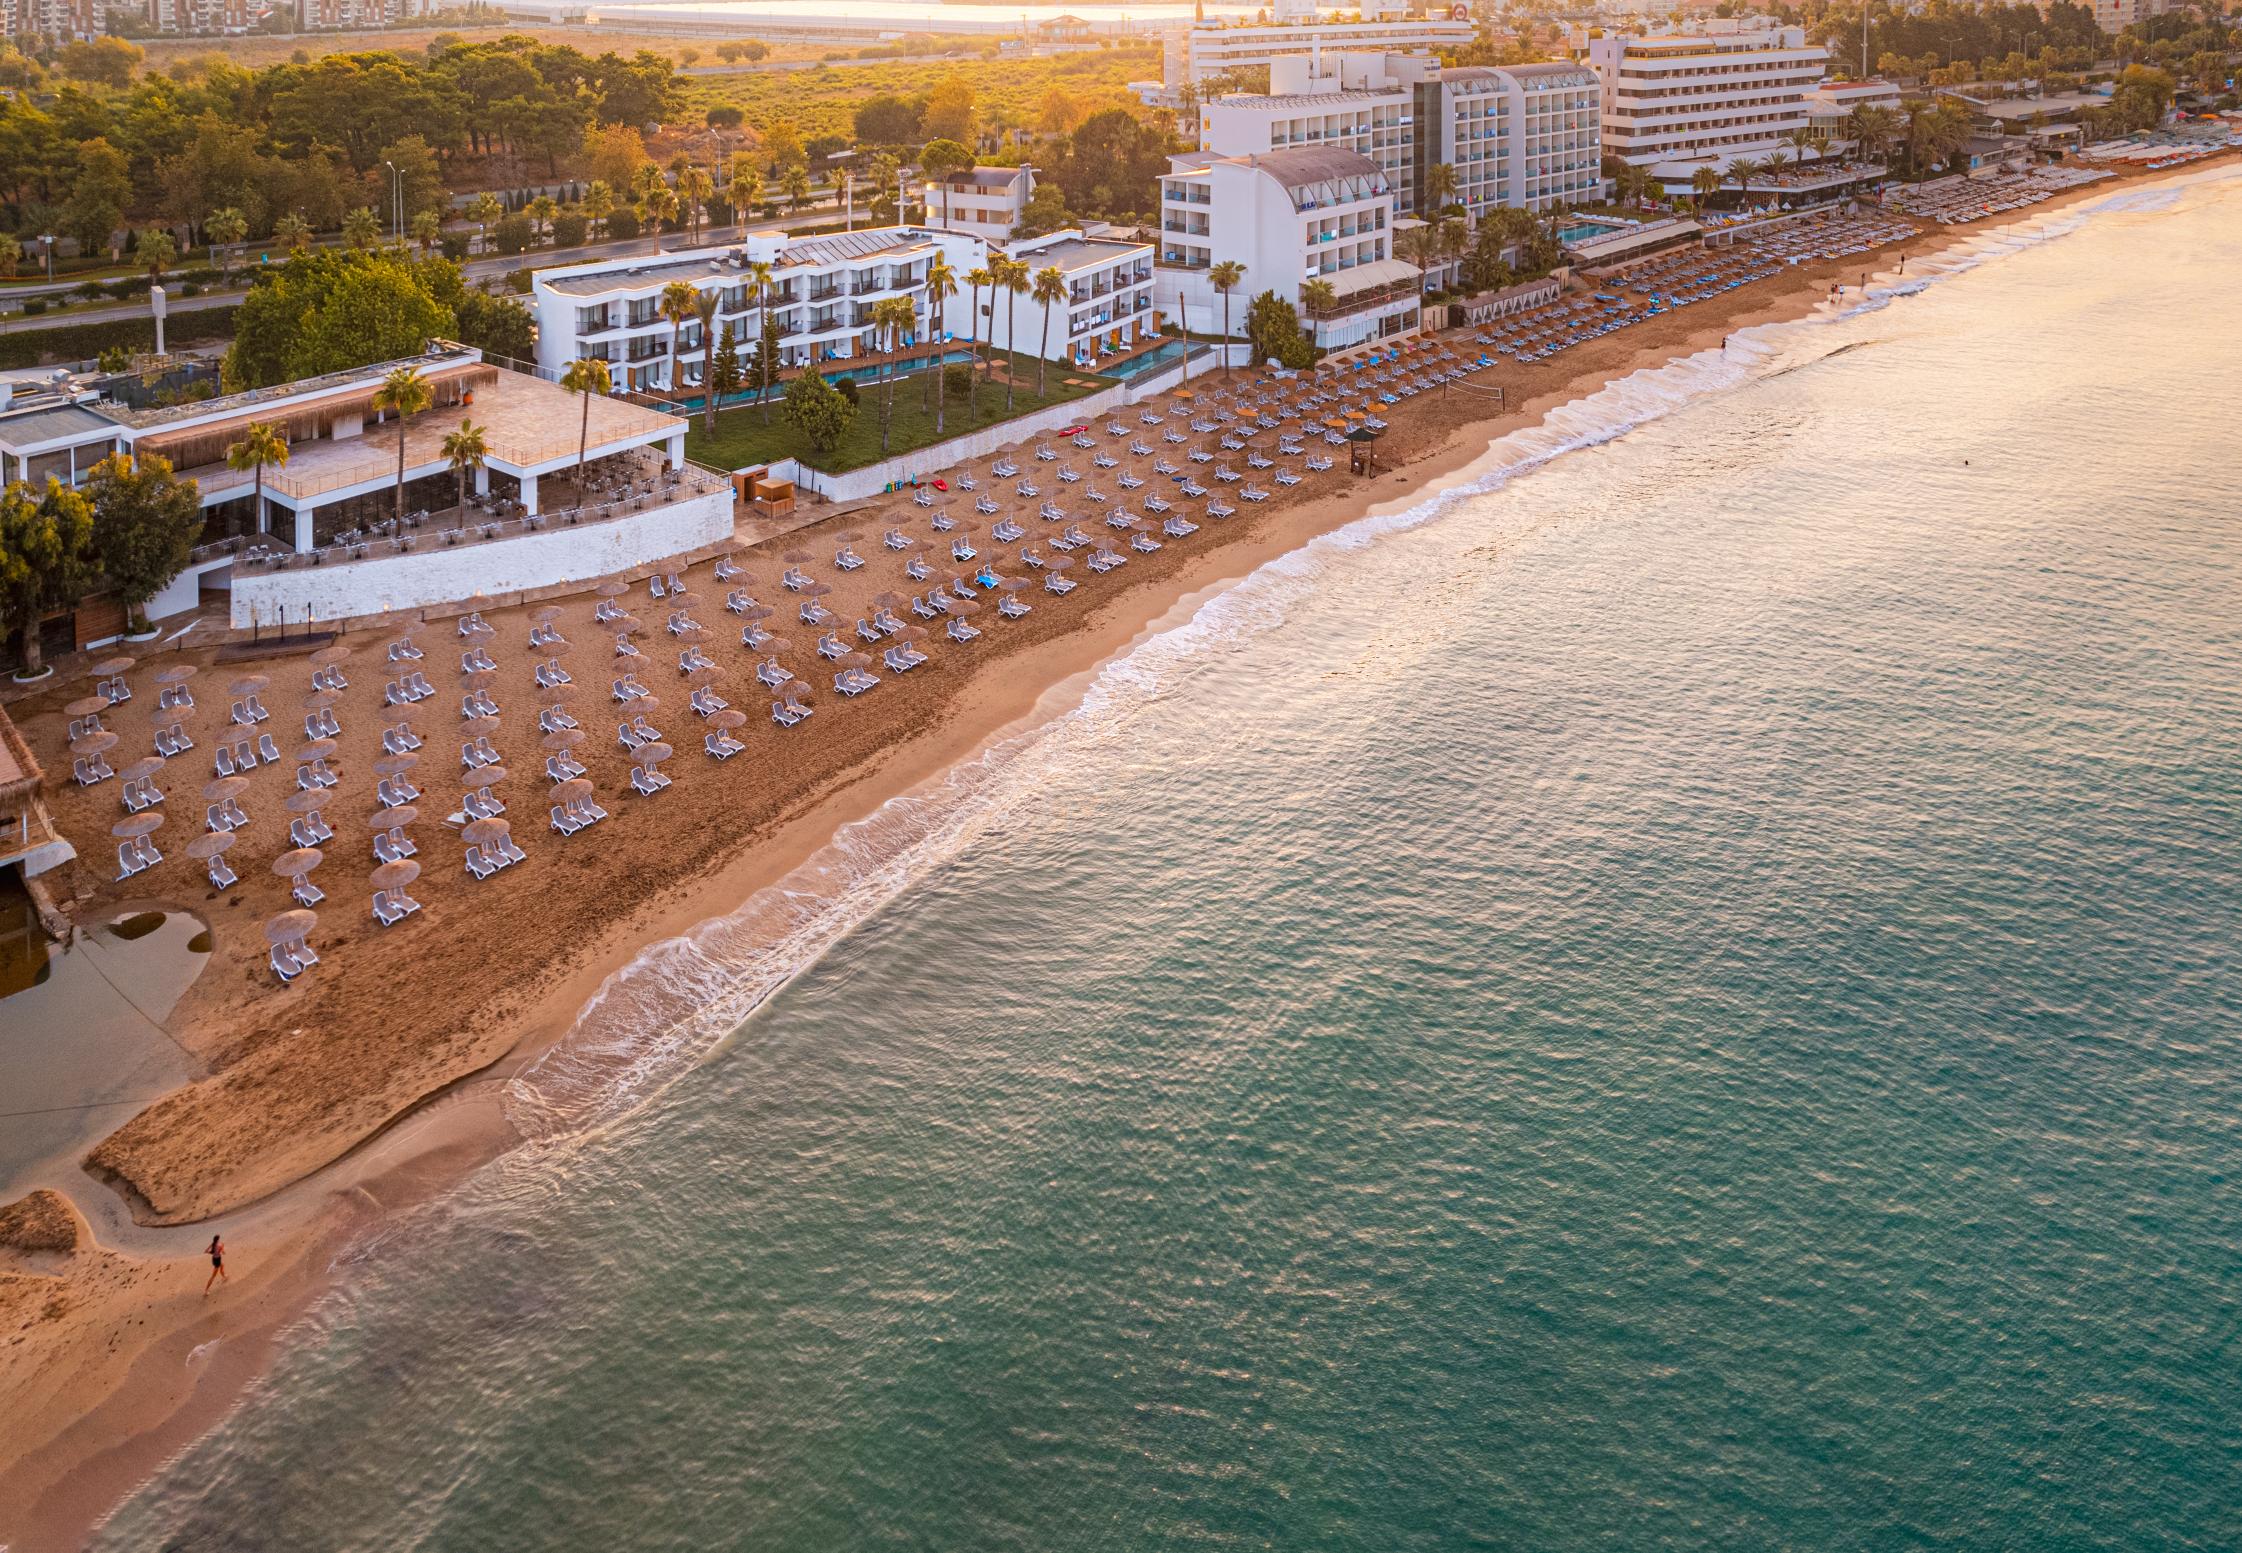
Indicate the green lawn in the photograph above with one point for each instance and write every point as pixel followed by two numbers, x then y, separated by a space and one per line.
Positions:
pixel 741 437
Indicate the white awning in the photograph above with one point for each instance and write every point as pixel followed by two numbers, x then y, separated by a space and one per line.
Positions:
pixel 1378 272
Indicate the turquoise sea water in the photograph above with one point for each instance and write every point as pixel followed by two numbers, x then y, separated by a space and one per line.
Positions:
pixel 1687 999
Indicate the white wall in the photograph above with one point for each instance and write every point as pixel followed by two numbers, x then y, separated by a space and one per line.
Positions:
pixel 184 592
pixel 872 479
pixel 489 569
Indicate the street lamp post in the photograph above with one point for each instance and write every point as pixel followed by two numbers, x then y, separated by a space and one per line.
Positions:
pixel 46 248
pixel 396 201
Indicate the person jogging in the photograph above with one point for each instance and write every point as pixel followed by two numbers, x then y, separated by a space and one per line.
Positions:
pixel 217 1264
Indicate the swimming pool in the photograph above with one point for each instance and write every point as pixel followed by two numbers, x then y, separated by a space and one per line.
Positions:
pixel 1164 354
pixel 833 374
pixel 1586 231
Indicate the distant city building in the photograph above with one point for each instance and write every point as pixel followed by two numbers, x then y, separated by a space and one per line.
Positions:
pixel 360 13
pixel 198 18
pixel 1210 48
pixel 62 19
pixel 2114 16
pixel 1674 104
pixel 1289 216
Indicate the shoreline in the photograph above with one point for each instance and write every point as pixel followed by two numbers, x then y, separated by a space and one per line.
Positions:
pixel 136 1398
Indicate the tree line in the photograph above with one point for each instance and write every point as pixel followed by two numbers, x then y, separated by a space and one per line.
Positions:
pixel 314 139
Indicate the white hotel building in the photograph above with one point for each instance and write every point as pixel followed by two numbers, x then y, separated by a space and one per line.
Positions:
pixel 1675 104
pixel 823 292
pixel 1525 136
pixel 1289 216
pixel 1362 103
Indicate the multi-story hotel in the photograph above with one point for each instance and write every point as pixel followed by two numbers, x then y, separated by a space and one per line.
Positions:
pixel 1361 103
pixel 1675 104
pixel 1290 216
pixel 1526 136
pixel 823 290
pixel 1109 302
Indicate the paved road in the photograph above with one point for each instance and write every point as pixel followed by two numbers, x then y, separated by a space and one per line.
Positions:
pixel 487 267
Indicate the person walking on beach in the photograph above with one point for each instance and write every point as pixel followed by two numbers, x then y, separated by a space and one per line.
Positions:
pixel 217 1264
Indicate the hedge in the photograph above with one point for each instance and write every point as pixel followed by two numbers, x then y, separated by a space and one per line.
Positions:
pixel 86 341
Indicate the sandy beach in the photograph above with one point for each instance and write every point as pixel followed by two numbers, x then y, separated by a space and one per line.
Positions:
pixel 370 1083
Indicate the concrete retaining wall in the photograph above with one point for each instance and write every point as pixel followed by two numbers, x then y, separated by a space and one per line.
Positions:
pixel 439 575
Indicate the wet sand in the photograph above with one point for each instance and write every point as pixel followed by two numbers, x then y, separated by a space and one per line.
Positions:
pixel 370 1082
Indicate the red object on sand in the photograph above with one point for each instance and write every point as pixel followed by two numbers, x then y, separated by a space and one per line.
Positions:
pixel 941 485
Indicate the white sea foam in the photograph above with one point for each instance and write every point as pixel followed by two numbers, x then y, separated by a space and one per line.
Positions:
pixel 679 999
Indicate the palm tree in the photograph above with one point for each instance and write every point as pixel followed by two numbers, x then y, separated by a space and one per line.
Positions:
pixel 1802 141
pixel 660 205
pixel 541 211
pixel 362 228
pixel 1871 130
pixel 977 277
pixel 797 186
pixel 428 230
pixel 260 445
pixel 679 298
pixel 293 232
pixel 404 394
pixel 224 228
pixel 1415 244
pixel 599 204
pixel 1438 191
pixel 1318 296
pixel 1012 275
pixel 155 252
pixel 1225 277
pixel 1741 172
pixel 465 450
pixel 1049 286
pixel 483 210
pixel 587 375
pixel 1704 183
pixel 1454 236
pixel 694 186
pixel 705 304
pixel 890 318
pixel 941 285
pixel 759 286
pixel 746 191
